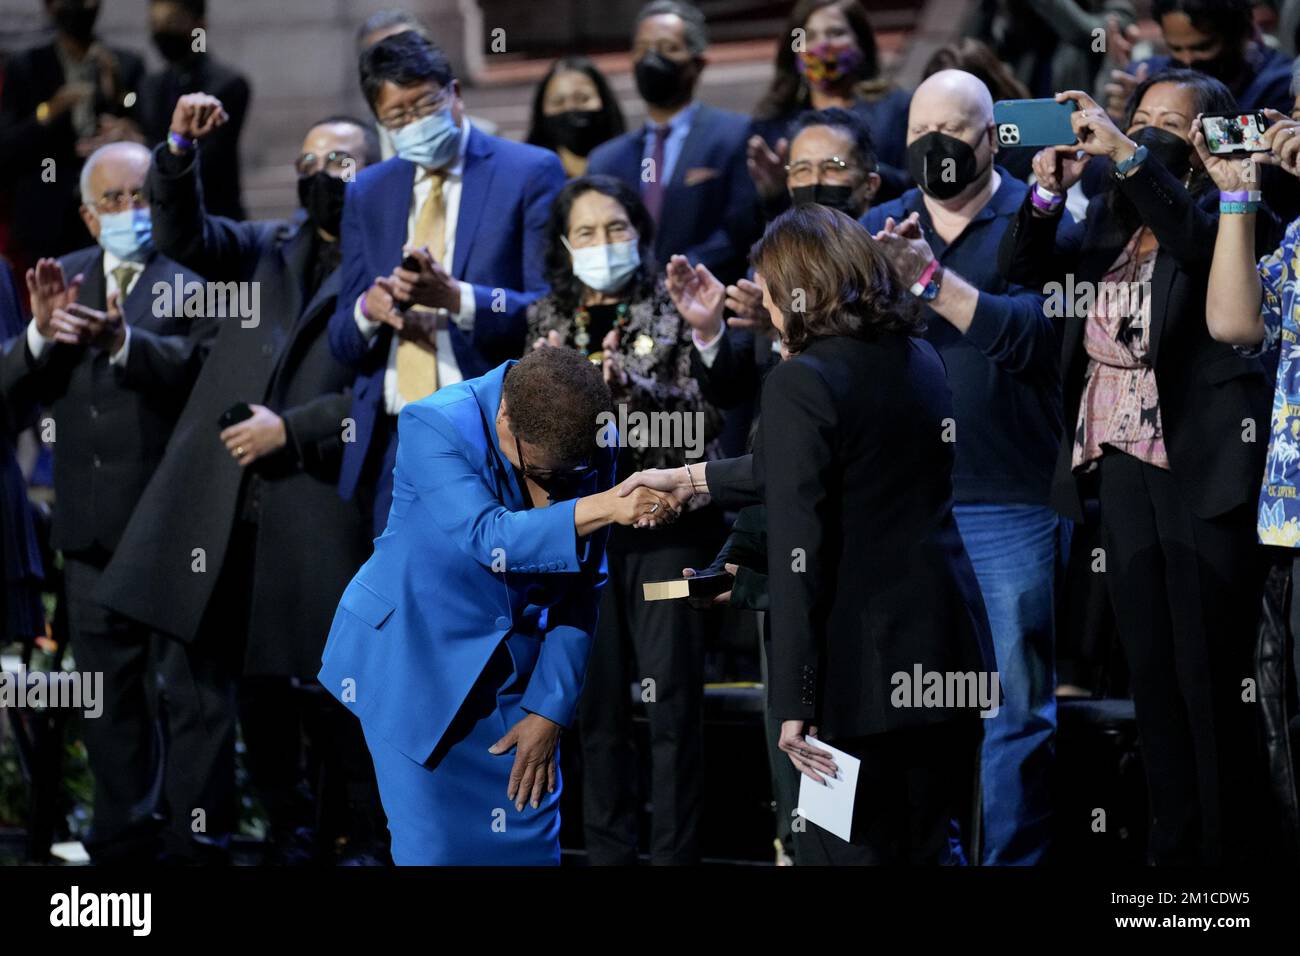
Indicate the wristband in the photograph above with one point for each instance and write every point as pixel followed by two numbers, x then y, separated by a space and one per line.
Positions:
pixel 180 142
pixel 923 279
pixel 1241 195
pixel 1237 208
pixel 1044 200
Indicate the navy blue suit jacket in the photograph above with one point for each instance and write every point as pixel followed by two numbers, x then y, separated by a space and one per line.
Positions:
pixel 461 567
pixel 711 211
pixel 506 193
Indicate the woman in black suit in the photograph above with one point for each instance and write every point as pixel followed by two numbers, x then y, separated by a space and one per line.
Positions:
pixel 869 582
pixel 1160 428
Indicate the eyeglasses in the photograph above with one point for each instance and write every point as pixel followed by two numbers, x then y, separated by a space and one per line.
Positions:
pixel 803 171
pixel 559 478
pixel 336 162
pixel 425 107
pixel 118 200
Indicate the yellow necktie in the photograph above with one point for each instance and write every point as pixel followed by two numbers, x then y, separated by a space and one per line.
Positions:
pixel 417 362
pixel 123 275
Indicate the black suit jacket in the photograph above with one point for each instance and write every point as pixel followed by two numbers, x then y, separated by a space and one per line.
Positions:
pixel 111 423
pixel 199 490
pixel 45 217
pixel 867 574
pixel 220 170
pixel 1209 393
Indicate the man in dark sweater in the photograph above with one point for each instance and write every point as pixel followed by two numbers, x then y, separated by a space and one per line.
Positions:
pixel 1001 351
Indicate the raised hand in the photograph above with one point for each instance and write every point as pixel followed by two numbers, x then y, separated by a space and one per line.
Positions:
pixel 1230 173
pixel 50 292
pixel 905 246
pixel 1283 140
pixel 198 114
pixel 1120 88
pixel 1057 168
pixel 766 166
pixel 745 300
pixel 697 294
pixel 1095 129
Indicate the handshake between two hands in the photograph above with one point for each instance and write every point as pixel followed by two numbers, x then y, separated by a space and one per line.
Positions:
pixel 652 498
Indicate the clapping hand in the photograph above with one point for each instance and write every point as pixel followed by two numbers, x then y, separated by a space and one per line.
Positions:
pixel 78 324
pixel 50 291
pixel 905 246
pixel 766 166
pixel 697 294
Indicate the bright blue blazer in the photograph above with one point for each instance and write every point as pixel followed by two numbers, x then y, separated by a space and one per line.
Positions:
pixel 454 573
pixel 506 193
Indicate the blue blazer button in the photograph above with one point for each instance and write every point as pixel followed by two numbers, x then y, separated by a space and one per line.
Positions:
pixel 503 622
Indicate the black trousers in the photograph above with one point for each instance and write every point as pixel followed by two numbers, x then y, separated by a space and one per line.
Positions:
pixel 913 800
pixel 638 641
pixel 1186 594
pixel 122 743
pixel 199 690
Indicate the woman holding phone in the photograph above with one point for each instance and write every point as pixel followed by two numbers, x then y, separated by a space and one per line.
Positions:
pixel 1158 420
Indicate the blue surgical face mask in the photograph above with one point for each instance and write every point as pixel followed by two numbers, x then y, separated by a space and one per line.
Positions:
pixel 431 142
pixel 605 268
pixel 127 234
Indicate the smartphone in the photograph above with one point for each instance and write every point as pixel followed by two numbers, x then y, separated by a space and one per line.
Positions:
pixel 410 264
pixel 233 415
pixel 1035 123
pixel 1229 133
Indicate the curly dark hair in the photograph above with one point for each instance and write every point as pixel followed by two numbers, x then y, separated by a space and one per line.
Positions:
pixel 829 277
pixel 565 287
pixel 555 399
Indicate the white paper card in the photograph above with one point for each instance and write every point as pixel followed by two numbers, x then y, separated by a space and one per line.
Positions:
pixel 830 806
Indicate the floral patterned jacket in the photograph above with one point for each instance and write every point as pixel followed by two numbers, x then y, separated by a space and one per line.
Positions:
pixel 663 420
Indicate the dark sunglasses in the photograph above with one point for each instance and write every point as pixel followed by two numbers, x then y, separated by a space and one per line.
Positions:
pixel 565 477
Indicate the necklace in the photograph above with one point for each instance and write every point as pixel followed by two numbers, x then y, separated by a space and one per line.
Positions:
pixel 582 334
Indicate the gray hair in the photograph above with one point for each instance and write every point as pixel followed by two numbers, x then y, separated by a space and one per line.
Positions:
pixel 695 28
pixel 88 167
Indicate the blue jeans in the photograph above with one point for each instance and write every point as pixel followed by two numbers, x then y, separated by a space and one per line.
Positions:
pixel 1015 551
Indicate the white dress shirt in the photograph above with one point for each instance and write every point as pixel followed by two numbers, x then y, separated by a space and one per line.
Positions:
pixel 448 370
pixel 37 343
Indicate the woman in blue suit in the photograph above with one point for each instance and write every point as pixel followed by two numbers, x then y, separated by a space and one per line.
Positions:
pixel 464 638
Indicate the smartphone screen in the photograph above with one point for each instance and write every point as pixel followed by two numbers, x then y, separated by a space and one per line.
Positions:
pixel 1237 133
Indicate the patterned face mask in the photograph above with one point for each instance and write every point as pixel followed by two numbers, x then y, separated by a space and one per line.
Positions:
pixel 826 66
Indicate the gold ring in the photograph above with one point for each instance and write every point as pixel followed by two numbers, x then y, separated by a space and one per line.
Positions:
pixel 239 451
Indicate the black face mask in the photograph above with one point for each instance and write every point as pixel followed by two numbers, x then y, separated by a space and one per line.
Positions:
pixel 76 21
pixel 322 196
pixel 578 131
pixel 174 46
pixel 661 81
pixel 824 194
pixel 1172 152
pixel 942 165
